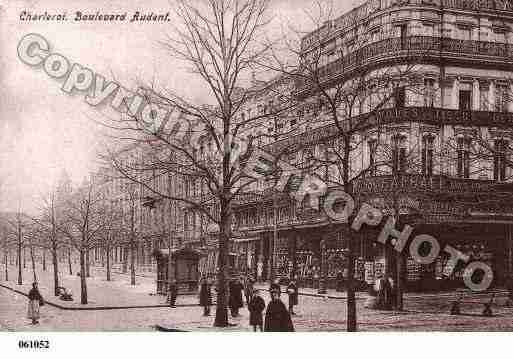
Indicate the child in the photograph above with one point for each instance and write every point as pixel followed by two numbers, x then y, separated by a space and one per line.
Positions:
pixel 256 307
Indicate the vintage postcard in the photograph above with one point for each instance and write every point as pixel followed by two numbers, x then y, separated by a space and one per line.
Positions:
pixel 256 166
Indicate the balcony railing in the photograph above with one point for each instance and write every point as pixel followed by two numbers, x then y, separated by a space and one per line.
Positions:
pixel 428 115
pixel 410 47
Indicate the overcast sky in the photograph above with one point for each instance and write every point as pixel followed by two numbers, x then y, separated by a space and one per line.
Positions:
pixel 43 130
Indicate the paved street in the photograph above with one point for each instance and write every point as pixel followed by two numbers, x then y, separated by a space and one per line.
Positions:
pixel 426 312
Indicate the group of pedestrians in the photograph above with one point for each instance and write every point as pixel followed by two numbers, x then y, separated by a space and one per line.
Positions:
pixel 382 294
pixel 277 317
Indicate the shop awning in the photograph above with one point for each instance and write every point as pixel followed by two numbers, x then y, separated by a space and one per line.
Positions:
pixel 245 239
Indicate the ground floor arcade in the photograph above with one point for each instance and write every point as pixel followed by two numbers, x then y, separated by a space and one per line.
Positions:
pixel 318 256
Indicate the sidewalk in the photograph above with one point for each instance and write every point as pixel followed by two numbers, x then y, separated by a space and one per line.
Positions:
pixel 102 294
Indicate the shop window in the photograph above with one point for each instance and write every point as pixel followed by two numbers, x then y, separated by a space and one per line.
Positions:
pixel 465 100
pixel 427 155
pixel 464 157
pixel 500 160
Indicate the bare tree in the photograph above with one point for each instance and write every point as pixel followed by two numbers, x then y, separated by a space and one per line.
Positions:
pixel 342 95
pixel 15 226
pixel 219 42
pixel 47 225
pixel 83 222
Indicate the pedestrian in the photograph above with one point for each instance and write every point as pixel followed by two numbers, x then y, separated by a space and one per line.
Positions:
pixel 256 306
pixel 235 297
pixel 384 298
pixel 205 296
pixel 173 292
pixel 248 288
pixel 35 302
pixel 293 295
pixel 277 317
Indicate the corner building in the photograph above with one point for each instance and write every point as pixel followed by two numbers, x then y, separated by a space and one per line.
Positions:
pixel 439 150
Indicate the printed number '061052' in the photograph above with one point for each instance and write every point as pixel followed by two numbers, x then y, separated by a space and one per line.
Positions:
pixel 34 344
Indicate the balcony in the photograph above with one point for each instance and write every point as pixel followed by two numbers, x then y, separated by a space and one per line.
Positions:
pixel 427 115
pixel 418 49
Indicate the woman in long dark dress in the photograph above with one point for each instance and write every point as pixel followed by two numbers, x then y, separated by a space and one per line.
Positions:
pixel 35 302
pixel 277 317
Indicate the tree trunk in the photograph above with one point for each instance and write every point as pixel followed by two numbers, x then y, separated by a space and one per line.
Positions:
pixel 399 281
pixel 20 278
pixel 88 266
pixel 124 259
pixel 351 299
pixel 107 250
pixel 83 284
pixel 69 262
pixel 33 262
pixel 6 266
pixel 221 319
pixel 132 263
pixel 24 257
pixel 44 260
pixel 55 268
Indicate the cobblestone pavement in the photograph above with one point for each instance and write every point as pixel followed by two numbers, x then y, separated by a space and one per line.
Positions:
pixel 429 313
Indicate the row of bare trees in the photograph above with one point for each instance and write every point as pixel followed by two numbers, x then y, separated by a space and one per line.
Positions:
pixel 72 221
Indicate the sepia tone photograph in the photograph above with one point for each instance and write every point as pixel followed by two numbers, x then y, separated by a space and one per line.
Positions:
pixel 256 166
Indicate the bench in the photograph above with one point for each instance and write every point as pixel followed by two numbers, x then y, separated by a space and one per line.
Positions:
pixel 487 306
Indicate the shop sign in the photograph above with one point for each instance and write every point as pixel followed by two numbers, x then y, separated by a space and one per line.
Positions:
pixel 385 184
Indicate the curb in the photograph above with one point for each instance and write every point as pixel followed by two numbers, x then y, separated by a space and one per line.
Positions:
pixel 52 304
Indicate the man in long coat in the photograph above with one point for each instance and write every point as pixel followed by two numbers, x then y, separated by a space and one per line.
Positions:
pixel 277 317
pixel 235 299
pixel 205 296
pixel 293 293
